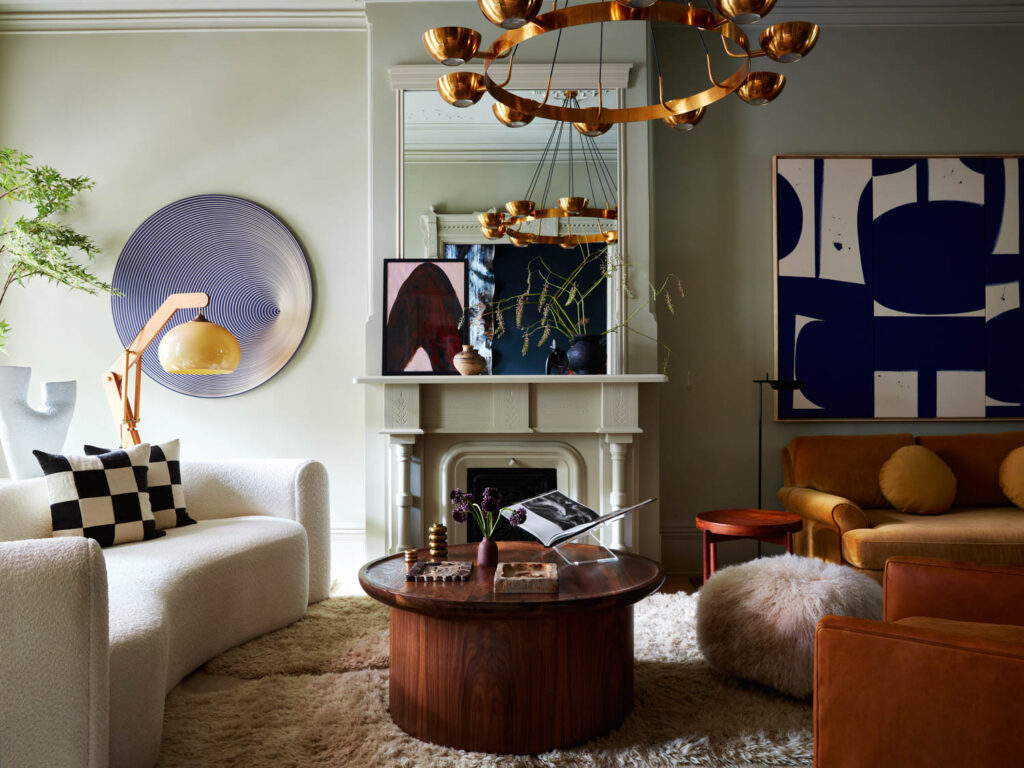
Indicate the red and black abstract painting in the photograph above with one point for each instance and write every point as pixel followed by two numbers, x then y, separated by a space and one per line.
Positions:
pixel 423 302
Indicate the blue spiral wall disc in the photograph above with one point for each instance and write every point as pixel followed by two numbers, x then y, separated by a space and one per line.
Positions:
pixel 249 263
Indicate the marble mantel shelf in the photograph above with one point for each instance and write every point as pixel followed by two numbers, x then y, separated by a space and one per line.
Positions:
pixel 622 378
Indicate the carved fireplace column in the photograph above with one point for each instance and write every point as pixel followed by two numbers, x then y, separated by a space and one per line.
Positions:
pixel 619 423
pixel 402 426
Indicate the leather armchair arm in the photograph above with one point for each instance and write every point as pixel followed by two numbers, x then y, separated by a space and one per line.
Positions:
pixel 826 508
pixel 891 694
pixel 918 586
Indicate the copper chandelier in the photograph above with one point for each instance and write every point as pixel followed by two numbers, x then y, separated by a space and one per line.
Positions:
pixel 597 179
pixel 521 20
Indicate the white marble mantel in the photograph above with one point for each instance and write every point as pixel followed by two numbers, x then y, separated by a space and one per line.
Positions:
pixel 586 427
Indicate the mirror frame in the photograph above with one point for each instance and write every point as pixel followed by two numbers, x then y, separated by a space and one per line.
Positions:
pixel 462 228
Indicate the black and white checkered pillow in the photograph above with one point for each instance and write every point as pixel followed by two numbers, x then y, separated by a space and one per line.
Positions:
pixel 166 494
pixel 102 497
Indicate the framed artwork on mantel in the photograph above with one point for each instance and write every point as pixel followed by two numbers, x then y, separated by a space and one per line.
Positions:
pixel 898 287
pixel 423 306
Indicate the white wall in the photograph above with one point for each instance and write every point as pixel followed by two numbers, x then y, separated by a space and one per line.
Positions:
pixel 870 91
pixel 275 117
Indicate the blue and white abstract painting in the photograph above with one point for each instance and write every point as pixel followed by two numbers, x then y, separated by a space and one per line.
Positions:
pixel 899 287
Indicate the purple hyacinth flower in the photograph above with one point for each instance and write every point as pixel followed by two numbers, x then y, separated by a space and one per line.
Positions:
pixel 459 515
pixel 457 496
pixel 518 517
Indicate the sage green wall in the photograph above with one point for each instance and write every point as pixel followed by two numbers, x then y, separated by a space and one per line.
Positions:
pixel 275 117
pixel 862 91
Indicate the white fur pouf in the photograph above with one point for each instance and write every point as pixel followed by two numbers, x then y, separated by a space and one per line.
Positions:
pixel 757 620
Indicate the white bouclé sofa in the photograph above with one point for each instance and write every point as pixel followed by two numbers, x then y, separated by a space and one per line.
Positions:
pixel 92 640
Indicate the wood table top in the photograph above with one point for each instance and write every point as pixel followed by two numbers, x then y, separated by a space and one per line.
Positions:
pixel 748 522
pixel 591 586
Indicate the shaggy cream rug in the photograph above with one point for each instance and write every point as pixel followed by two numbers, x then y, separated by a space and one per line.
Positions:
pixel 302 713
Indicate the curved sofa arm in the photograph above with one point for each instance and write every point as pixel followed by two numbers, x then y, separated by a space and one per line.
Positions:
pixel 54 648
pixel 825 508
pixel 295 489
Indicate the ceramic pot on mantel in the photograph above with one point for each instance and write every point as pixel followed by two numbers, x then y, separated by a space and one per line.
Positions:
pixel 587 354
pixel 469 362
pixel 487 553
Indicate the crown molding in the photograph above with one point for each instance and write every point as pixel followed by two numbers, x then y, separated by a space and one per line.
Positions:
pixel 66 16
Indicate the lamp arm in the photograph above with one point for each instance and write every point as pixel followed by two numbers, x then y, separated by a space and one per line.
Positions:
pixel 115 381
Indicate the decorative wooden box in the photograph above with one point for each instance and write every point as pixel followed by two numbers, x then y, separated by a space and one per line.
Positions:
pixel 526 577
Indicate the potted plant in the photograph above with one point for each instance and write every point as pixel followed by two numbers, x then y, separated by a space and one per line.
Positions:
pixel 486 514
pixel 36 245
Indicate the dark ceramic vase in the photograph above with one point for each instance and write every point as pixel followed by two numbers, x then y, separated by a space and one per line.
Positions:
pixel 487 553
pixel 587 354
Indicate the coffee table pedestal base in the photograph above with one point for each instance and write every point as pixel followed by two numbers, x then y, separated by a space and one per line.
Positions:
pixel 511 685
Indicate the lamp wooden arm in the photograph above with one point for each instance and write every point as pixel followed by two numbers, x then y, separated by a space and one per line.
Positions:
pixel 124 409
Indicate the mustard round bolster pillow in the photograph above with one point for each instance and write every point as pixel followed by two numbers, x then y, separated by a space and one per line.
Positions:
pixel 915 480
pixel 1011 476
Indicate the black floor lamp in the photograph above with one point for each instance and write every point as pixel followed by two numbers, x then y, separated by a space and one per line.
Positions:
pixel 775 384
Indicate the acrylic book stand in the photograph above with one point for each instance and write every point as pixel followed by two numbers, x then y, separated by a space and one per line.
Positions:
pixel 606 555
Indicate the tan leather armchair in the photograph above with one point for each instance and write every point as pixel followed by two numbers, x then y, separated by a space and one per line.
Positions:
pixel 938 683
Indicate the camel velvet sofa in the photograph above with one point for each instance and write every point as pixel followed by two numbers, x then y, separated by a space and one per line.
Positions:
pixel 92 640
pixel 832 483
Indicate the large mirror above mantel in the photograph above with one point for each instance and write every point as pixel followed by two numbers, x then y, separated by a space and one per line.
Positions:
pixel 456 163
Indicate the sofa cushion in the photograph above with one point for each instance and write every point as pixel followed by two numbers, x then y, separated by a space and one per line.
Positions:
pixel 1011 476
pixel 846 465
pixel 993 535
pixel 975 460
pixel 917 481
pixel 179 601
pixel 166 494
pixel 103 497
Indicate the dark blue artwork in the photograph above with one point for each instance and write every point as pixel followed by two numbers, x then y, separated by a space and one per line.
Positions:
pixel 899 287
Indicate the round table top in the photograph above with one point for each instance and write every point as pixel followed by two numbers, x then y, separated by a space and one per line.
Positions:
pixel 749 522
pixel 590 586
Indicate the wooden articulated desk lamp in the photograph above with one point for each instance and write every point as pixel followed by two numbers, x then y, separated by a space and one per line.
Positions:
pixel 195 347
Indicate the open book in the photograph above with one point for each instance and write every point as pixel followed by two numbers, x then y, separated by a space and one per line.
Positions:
pixel 554 518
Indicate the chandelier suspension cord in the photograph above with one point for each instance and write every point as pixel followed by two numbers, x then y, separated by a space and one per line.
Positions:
pixel 539 168
pixel 551 72
pixel 572 164
pixel 604 174
pixel 600 68
pixel 657 63
pixel 551 167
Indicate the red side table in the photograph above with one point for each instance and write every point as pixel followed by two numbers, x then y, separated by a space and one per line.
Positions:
pixel 761 524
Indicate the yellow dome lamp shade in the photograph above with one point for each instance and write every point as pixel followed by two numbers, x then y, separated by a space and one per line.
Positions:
pixel 199 347
pixel 195 347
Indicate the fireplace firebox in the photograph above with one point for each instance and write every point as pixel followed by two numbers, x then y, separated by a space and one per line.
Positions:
pixel 514 484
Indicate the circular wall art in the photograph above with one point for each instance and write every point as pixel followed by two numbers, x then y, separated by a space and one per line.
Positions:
pixel 249 263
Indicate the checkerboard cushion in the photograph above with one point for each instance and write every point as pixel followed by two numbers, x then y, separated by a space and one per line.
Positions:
pixel 103 497
pixel 166 494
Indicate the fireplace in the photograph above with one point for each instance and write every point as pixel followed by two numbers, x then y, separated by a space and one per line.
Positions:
pixel 514 484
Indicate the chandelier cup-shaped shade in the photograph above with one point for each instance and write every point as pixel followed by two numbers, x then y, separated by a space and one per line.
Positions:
pixel 573 206
pixel 493 233
pixel 517 241
pixel 521 208
pixel 790 41
pixel 513 118
pixel 569 244
pixel 491 219
pixel 611 237
pixel 686 121
pixel 451 46
pixel 761 87
pixel 461 89
pixel 510 14
pixel 638 3
pixel 744 11
pixel 592 129
pixel 199 347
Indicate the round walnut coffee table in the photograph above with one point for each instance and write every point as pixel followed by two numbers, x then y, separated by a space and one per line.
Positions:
pixel 761 524
pixel 512 673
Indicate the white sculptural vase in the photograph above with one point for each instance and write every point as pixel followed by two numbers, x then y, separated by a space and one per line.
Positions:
pixel 24 428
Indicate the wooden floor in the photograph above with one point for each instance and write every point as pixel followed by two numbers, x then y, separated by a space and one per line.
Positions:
pixel 680 582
